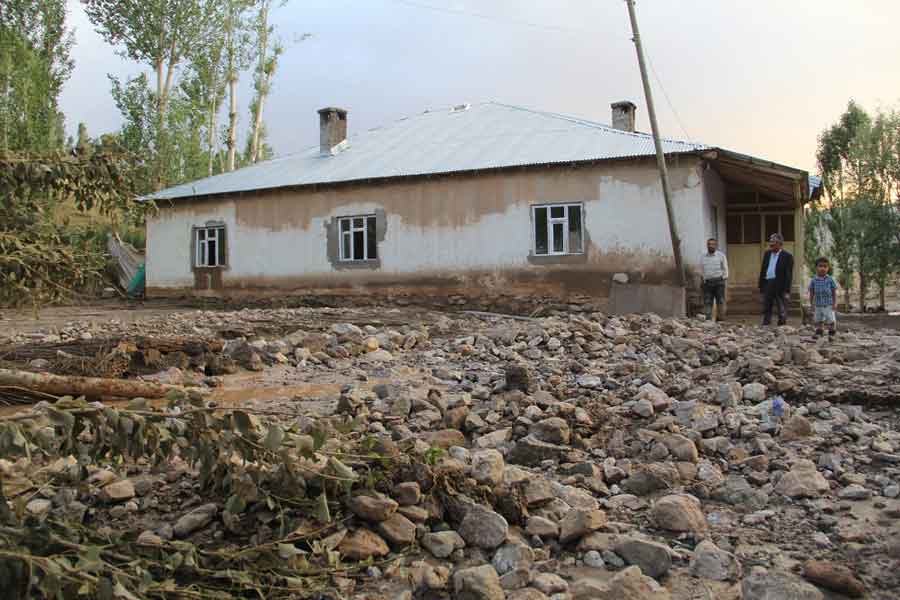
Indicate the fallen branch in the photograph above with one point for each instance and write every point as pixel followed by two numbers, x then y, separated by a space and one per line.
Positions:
pixel 93 387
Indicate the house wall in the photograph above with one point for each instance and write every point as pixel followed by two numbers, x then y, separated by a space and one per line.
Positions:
pixel 714 192
pixel 469 235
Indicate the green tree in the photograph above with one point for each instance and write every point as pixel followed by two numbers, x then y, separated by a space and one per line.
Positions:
pixel 34 64
pixel 162 34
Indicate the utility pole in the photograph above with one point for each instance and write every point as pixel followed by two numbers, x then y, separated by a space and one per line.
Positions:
pixel 660 157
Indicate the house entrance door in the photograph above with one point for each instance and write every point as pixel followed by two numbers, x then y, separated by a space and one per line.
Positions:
pixel 747 236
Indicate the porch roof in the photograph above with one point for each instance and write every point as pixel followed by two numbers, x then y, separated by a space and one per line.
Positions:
pixel 772 183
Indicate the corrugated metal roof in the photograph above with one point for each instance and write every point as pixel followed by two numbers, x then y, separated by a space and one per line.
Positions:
pixel 483 136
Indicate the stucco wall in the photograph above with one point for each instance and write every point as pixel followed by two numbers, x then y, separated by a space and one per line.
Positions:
pixel 470 231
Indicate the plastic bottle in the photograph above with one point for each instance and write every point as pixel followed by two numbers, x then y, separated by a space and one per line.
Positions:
pixel 778 407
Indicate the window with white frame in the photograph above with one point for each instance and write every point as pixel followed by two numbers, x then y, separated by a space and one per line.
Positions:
pixel 358 238
pixel 558 229
pixel 209 243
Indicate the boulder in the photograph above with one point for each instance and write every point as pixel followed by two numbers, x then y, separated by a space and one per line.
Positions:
pixel 530 451
pixel 681 447
pixel 118 491
pixel 407 493
pixel 477 583
pixel 653 558
pixel 487 467
pixel 198 518
pixel 398 530
pixel 512 557
pixel 483 528
pixel 761 584
pixel 754 392
pixel 443 543
pixel 834 577
pixel 553 430
pixel 628 584
pixel 578 523
pixel 679 512
pixel 712 562
pixel 802 481
pixel 372 508
pixel 796 428
pixel 363 544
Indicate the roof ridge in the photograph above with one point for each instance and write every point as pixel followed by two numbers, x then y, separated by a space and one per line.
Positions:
pixel 596 124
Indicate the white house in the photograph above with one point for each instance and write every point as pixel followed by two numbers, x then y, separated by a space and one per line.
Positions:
pixel 485 203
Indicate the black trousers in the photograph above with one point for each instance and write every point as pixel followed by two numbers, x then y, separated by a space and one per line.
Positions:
pixel 773 298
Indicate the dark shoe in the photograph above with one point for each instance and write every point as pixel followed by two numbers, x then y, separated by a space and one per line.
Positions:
pixel 831 335
pixel 780 322
pixel 766 323
pixel 819 333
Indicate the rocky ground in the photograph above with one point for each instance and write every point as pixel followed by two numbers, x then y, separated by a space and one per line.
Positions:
pixel 566 457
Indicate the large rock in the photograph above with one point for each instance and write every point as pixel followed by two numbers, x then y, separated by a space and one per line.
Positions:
pixel 512 557
pixel 628 584
pixel 737 490
pixel 712 562
pixel 530 451
pixel 681 447
pixel 754 392
pixel 198 518
pixel 445 438
pixel 578 523
pixel 796 428
pixel 398 530
pixel 477 583
pixel 653 558
pixel 483 528
pixel 834 577
pixel 487 467
pixel 650 478
pixel 363 544
pixel 553 430
pixel 776 585
pixel 679 512
pixel 372 508
pixel 443 543
pixel 118 491
pixel 802 481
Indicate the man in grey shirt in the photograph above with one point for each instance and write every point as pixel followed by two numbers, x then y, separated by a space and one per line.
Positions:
pixel 714 271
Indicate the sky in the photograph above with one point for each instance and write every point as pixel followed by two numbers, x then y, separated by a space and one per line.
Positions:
pixel 762 78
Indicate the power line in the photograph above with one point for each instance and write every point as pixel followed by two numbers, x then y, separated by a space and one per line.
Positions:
pixel 668 100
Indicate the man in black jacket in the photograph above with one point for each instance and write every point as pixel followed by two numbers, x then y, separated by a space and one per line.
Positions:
pixel 775 279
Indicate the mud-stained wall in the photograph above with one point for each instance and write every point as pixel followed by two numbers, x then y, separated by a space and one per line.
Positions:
pixel 463 232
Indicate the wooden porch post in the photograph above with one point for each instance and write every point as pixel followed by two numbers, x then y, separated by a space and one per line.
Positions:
pixel 799 245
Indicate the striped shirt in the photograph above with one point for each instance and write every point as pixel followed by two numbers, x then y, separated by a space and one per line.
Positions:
pixel 822 289
pixel 713 266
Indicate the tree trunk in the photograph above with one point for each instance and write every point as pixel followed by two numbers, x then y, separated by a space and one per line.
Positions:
pixel 863 285
pixel 95 387
pixel 881 295
pixel 254 149
pixel 232 120
pixel 261 78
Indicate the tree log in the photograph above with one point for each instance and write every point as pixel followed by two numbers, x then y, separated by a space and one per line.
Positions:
pixel 84 386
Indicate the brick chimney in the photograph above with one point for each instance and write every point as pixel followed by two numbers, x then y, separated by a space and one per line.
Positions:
pixel 332 130
pixel 623 115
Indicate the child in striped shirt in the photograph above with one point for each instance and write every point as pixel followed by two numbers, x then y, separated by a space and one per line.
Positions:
pixel 823 297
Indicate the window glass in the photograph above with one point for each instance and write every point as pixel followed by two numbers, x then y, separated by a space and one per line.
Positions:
pixel 772 225
pixel 541 244
pixel 787 227
pixel 211 252
pixel 345 224
pixel 359 245
pixel 346 253
pixel 220 260
pixel 575 245
pixel 557 212
pixel 371 239
pixel 559 237
pixel 358 223
pixel 752 233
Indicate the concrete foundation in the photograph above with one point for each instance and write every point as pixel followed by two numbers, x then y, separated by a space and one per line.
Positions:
pixel 664 300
